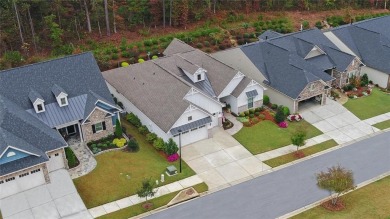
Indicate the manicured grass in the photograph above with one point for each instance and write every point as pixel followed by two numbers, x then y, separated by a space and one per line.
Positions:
pixel 109 182
pixel 157 202
pixel 371 201
pixel 383 125
pixel 366 107
pixel 266 135
pixel 277 161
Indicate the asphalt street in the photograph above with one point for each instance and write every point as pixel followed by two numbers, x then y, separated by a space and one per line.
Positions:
pixel 283 191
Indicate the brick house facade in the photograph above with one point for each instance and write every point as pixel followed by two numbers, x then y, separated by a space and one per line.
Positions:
pixel 97 116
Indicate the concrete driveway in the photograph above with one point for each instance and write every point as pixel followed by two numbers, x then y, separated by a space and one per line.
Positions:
pixel 336 121
pixel 59 199
pixel 222 161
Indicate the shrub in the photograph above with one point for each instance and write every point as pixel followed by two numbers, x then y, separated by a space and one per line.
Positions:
pixel 257 113
pixel 262 116
pixel 318 24
pixel 114 56
pixel 151 137
pixel 199 45
pixel 158 143
pixel 246 113
pixel 141 60
pixel 71 157
pixel 251 111
pixel 154 57
pixel 348 87
pixel 133 119
pixel 221 47
pixel 286 110
pixel 119 142
pixel 206 43
pixel 118 129
pixel 266 100
pixel 364 80
pixel 251 115
pixel 148 43
pixel 96 150
pixel 255 120
pixel 124 64
pixel 279 116
pixel 170 147
pixel 172 158
pixel 242 114
pixel 13 57
pixel 283 124
pixel 305 25
pixel 274 106
pixel 143 130
pixel 246 124
pixel 242 119
pixel 132 145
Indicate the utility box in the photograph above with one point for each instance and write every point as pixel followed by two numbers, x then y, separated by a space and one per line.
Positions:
pixel 171 170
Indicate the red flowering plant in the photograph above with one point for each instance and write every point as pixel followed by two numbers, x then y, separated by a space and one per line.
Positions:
pixel 173 157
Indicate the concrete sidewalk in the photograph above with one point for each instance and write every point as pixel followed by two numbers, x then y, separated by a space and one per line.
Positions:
pixel 378 119
pixel 237 126
pixel 134 199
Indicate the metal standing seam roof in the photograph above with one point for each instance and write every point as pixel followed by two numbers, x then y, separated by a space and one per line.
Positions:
pixel 55 115
pixel 191 125
pixel 251 93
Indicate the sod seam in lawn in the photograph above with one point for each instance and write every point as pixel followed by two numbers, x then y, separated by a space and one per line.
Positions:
pixel 371 201
pixel 266 135
pixel 118 174
pixel 277 161
pixel 366 107
pixel 383 125
pixel 157 202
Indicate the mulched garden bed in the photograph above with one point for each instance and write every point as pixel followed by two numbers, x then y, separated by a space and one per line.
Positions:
pixel 339 206
pixel 102 144
pixel 267 116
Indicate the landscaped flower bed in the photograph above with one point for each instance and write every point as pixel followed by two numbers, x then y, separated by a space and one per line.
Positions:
pixel 254 116
pixel 107 143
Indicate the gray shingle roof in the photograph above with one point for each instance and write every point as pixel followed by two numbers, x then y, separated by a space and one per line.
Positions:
pixel 177 46
pixel 154 91
pixel 57 90
pixel 33 96
pixel 269 34
pixel 23 131
pixel 191 125
pixel 370 40
pixel 241 86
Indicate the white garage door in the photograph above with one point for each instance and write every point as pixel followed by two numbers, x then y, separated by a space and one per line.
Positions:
pixel 194 136
pixel 56 162
pixel 17 184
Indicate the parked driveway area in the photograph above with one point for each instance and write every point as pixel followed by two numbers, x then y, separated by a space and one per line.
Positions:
pixel 336 121
pixel 59 199
pixel 222 161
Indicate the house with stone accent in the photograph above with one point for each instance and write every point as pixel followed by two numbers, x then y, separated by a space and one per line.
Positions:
pixel 183 92
pixel 295 68
pixel 43 104
pixel 370 41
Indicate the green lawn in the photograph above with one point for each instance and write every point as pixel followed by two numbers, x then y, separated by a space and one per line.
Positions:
pixel 383 125
pixel 371 201
pixel 366 107
pixel 277 161
pixel 266 135
pixel 157 202
pixel 108 181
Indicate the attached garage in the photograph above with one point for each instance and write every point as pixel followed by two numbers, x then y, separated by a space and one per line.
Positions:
pixel 20 182
pixel 192 132
pixel 56 161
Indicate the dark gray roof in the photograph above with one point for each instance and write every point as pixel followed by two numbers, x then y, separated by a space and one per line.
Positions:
pixel 269 34
pixel 23 131
pixel 21 164
pixel 191 125
pixel 154 91
pixel 370 40
pixel 55 115
pixel 57 90
pixel 33 96
pixel 252 93
pixel 76 74
pixel 177 46
pixel 241 86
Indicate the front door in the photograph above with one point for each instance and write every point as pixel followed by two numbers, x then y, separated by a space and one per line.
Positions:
pixel 71 129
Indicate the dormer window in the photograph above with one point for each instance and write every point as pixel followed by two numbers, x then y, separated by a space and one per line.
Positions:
pixel 37 101
pixel 60 94
pixel 40 107
pixel 199 77
pixel 63 101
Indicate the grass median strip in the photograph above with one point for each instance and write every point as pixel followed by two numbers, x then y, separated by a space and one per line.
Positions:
pixel 157 202
pixel 277 161
pixel 371 201
pixel 383 125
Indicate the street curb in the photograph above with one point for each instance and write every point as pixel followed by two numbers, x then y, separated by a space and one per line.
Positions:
pixel 317 203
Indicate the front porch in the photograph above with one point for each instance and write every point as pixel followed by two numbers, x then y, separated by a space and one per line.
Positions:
pixel 71 133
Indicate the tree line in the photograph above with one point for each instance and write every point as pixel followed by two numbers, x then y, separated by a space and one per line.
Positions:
pixel 32 26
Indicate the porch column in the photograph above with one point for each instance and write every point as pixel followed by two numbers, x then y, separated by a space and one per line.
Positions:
pixel 81 133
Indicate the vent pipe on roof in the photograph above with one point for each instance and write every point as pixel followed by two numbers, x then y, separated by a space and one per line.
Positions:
pixel 266 37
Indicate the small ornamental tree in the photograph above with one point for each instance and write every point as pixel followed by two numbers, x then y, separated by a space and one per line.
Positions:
pixel 336 180
pixel 118 129
pixel 147 189
pixel 170 147
pixel 298 137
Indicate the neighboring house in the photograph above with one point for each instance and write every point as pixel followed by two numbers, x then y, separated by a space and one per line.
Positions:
pixel 370 41
pixel 296 67
pixel 183 92
pixel 39 105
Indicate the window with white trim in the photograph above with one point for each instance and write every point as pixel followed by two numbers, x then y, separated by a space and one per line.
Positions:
pixel 189 118
pixel 35 171
pixel 63 101
pixel 9 179
pixel 40 108
pixel 10 154
pixel 98 127
pixel 23 175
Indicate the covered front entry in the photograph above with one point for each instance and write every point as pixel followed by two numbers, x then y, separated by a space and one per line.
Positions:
pixel 70 131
